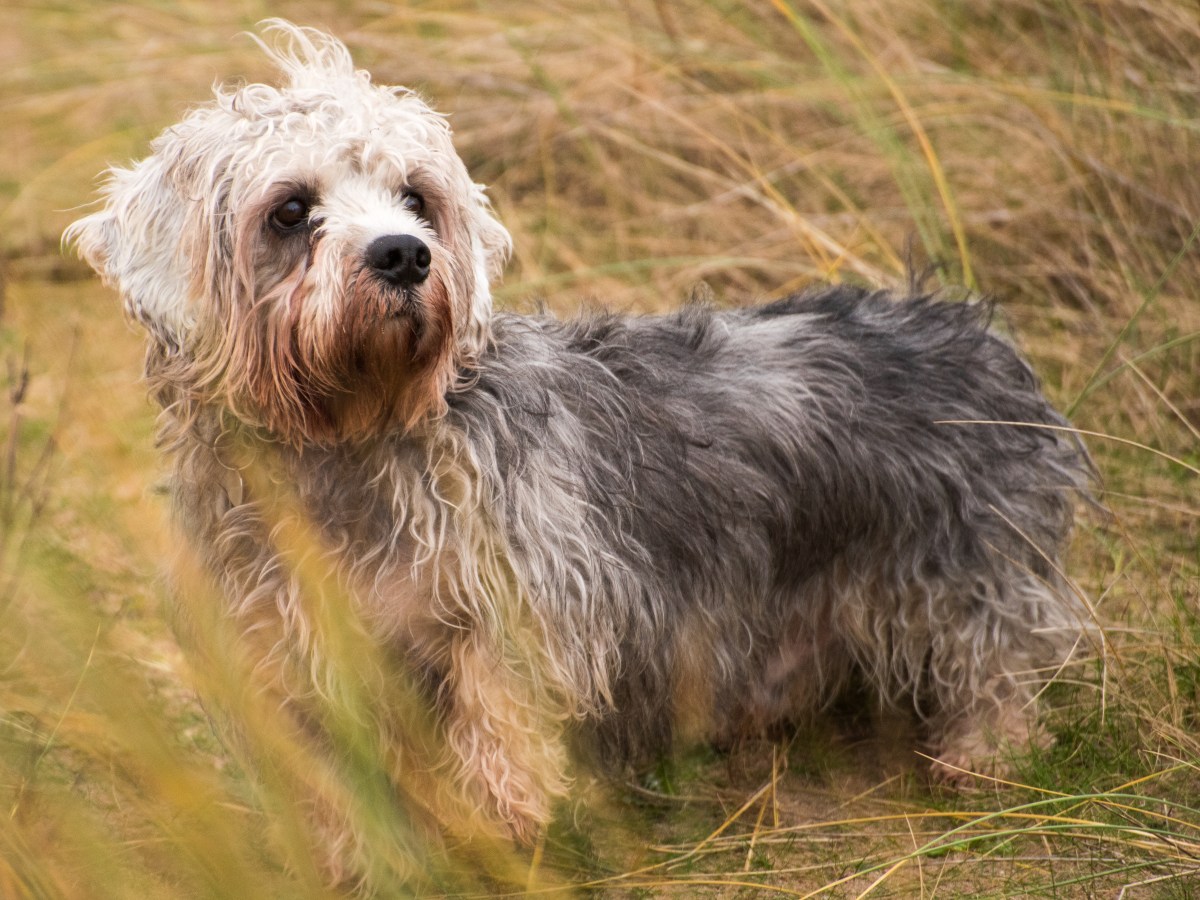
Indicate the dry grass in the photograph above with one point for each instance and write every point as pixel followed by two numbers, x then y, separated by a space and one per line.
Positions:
pixel 1042 150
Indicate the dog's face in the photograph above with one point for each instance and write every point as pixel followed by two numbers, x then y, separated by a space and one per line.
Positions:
pixel 314 256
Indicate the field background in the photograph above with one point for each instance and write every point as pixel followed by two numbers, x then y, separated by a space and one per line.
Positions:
pixel 1046 152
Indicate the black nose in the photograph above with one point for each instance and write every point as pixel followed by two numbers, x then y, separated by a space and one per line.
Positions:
pixel 402 259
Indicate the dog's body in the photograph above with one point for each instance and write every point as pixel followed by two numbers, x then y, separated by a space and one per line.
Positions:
pixel 599 532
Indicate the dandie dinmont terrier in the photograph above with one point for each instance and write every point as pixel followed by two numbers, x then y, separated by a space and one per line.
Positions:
pixel 599 534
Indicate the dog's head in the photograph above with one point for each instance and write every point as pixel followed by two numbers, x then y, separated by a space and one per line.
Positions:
pixel 313 256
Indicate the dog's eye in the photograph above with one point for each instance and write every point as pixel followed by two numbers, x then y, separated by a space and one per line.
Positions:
pixel 413 202
pixel 290 214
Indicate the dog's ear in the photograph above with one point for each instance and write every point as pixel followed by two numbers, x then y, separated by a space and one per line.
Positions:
pixel 135 243
pixel 494 243
pixel 491 245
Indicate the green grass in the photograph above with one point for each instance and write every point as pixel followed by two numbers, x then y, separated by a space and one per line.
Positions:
pixel 1043 150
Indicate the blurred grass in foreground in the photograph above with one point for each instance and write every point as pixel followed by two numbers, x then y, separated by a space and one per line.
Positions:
pixel 1043 150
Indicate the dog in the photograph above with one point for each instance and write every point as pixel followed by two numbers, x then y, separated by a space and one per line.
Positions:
pixel 586 539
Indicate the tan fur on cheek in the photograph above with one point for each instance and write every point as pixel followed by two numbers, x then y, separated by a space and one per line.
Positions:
pixel 268 374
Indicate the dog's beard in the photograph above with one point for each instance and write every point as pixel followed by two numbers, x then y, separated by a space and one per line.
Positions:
pixel 380 357
pixel 408 322
pixel 393 345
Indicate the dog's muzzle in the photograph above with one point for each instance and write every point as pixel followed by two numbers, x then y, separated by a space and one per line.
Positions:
pixel 401 260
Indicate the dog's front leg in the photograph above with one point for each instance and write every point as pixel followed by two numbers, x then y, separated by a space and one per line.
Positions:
pixel 506 740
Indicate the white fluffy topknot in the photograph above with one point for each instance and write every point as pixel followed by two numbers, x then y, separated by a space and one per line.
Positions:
pixel 307 56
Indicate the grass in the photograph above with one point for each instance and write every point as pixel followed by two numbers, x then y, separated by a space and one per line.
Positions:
pixel 1042 150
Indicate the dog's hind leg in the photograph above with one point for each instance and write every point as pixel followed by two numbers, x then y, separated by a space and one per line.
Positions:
pixel 985 673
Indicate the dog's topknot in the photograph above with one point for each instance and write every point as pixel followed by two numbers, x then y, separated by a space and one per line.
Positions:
pixel 305 55
pixel 317 69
